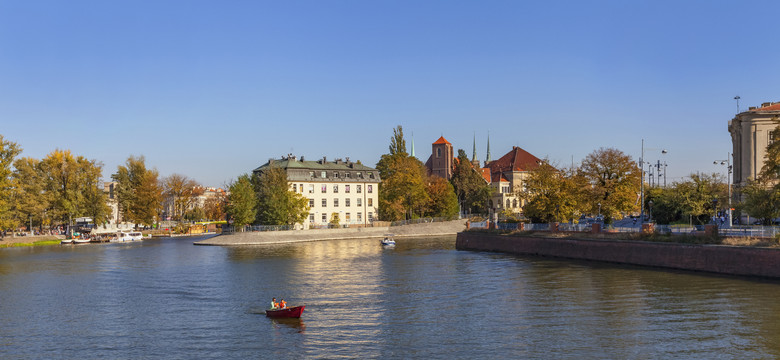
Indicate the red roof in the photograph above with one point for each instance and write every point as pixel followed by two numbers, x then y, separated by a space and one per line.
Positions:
pixel 769 107
pixel 515 160
pixel 441 140
pixel 486 174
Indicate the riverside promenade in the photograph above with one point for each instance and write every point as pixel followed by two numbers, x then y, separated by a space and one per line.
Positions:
pixel 276 237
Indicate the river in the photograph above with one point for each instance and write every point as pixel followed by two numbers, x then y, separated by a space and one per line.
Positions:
pixel 166 298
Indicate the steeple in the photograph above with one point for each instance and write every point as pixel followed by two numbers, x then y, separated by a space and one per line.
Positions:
pixel 474 154
pixel 412 144
pixel 488 159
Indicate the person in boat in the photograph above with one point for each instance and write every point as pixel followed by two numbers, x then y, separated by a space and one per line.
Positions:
pixel 282 304
pixel 274 305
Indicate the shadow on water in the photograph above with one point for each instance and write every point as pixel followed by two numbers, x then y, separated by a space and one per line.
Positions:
pixel 294 323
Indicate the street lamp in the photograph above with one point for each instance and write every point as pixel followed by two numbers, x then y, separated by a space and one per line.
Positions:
pixel 730 169
pixel 642 182
pixel 599 210
pixel 650 203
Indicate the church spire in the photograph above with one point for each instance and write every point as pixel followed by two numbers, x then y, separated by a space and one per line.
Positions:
pixel 488 159
pixel 474 154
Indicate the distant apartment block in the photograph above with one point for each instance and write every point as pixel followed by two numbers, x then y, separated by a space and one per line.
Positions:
pixel 341 187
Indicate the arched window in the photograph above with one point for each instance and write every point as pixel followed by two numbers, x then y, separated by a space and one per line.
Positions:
pixel 490 203
pixel 438 152
pixel 514 203
pixel 508 202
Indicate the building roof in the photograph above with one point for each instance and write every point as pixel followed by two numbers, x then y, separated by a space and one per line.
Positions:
pixel 441 140
pixel 769 106
pixel 516 159
pixel 322 164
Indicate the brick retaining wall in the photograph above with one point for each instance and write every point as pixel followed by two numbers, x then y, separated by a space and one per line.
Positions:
pixel 720 259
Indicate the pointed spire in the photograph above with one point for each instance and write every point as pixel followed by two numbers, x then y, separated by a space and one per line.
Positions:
pixel 488 159
pixel 474 154
pixel 413 144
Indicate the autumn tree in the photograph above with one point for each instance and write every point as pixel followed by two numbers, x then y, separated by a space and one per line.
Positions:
pixel 553 195
pixel 614 181
pixel 214 206
pixel 402 192
pixel 470 187
pixel 761 201
pixel 31 200
pixel 241 205
pixel 139 192
pixel 277 205
pixel 8 152
pixel 442 199
pixel 183 193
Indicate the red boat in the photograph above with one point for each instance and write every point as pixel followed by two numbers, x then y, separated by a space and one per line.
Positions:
pixel 291 312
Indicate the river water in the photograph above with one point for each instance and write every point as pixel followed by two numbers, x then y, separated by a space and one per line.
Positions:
pixel 166 298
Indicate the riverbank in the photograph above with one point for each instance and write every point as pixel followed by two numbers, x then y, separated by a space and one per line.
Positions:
pixel 10 241
pixel 720 259
pixel 275 237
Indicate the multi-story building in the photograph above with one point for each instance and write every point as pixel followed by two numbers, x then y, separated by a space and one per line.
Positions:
pixel 750 135
pixel 342 187
pixel 506 176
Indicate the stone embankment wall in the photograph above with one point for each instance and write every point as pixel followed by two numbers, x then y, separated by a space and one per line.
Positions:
pixel 273 237
pixel 731 260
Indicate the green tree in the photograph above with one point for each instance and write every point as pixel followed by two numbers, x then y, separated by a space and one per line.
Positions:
pixel 182 192
pixel 93 198
pixel 443 201
pixel 402 193
pixel 242 202
pixel 277 205
pixel 8 152
pixel 760 201
pixel 553 195
pixel 139 192
pixel 614 182
pixel 31 199
pixel 470 187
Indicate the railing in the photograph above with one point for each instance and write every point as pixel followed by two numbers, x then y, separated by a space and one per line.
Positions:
pixel 736 231
pixel 750 231
pixel 423 220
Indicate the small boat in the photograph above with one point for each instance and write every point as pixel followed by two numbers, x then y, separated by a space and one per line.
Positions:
pixel 66 241
pixel 122 236
pixel 290 312
pixel 388 240
pixel 80 241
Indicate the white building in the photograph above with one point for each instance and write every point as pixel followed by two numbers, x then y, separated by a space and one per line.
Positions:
pixel 750 134
pixel 345 188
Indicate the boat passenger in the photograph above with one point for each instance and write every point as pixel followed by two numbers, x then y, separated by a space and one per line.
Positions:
pixel 282 304
pixel 274 305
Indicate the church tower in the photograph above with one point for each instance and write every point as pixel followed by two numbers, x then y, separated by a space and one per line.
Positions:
pixel 442 158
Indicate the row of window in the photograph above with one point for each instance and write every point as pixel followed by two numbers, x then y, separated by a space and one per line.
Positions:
pixel 324 188
pixel 347 217
pixel 338 175
pixel 347 203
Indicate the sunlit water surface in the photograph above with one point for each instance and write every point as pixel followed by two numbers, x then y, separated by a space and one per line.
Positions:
pixel 422 299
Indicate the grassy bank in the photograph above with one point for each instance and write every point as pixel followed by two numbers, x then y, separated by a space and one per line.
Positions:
pixel 43 242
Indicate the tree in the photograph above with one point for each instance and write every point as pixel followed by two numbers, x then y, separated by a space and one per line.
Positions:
pixel 442 199
pixel 470 187
pixel 139 193
pixel 553 195
pixel 93 199
pixel 8 151
pixel 183 193
pixel 214 206
pixel 277 205
pixel 760 201
pixel 771 169
pixel 402 191
pixel 31 199
pixel 614 181
pixel 242 202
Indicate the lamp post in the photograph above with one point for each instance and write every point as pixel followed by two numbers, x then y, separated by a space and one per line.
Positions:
pixel 650 203
pixel 642 182
pixel 599 216
pixel 729 168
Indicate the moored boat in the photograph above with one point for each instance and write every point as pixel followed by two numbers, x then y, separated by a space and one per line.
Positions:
pixel 290 312
pixel 124 236
pixel 80 241
pixel 388 240
pixel 66 241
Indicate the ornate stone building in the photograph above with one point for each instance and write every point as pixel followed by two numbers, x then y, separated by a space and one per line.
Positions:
pixel 506 176
pixel 750 134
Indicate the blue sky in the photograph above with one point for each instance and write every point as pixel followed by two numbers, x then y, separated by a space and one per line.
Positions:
pixel 213 89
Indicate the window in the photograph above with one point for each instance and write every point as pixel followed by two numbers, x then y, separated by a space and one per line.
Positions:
pixel 324 188
pixel 311 174
pixel 507 203
pixel 359 202
pixel 514 203
pixel 360 217
pixel 295 188
pixel 370 216
pixel 347 217
pixel 301 187
pixel 311 203
pixel 335 202
pixel 346 202
pixel 505 189
pixel 347 175
pixel 311 218
pixel 324 217
pixel 323 174
pixel 346 189
pixel 370 175
pixel 360 175
pixel 311 188
pixel 359 189
pixel 370 189
pixel 438 152
pixel 370 202
pixel 335 189
pixel 335 175
pixel 324 202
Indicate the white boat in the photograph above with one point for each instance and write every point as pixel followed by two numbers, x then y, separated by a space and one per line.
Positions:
pixel 388 240
pixel 66 241
pixel 125 236
pixel 80 241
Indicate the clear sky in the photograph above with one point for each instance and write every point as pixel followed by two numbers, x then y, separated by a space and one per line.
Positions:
pixel 213 89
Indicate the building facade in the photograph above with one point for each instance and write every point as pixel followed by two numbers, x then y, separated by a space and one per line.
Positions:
pixel 441 163
pixel 343 188
pixel 750 135
pixel 506 176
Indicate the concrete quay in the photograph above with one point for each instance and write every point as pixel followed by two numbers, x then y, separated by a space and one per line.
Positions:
pixel 291 236
pixel 720 259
